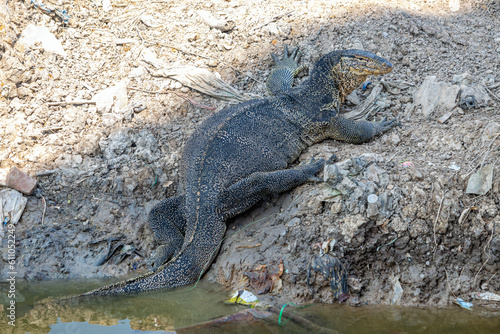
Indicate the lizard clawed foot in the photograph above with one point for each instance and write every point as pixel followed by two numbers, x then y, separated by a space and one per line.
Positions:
pixel 312 168
pixel 385 125
pixel 290 61
pixel 332 159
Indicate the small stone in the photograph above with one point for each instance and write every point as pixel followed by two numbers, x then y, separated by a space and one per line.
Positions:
pixel 213 63
pixel 353 98
pixel 3 176
pixel 372 210
pixel 445 117
pixel 336 208
pixel 20 181
pixel 294 222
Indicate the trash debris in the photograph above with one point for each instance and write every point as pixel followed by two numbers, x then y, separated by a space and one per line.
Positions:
pixel 333 271
pixel 372 208
pixel 200 79
pixel 33 34
pixel 367 107
pixel 473 97
pixel 365 85
pixel 481 181
pixel 12 205
pixel 203 81
pixel 445 117
pixel 20 181
pixel 467 102
pixel 243 297
pixel 106 5
pixel 124 252
pixel 489 296
pixel 460 302
pixel 435 96
pixel 60 14
pixel 265 280
pixel 246 317
pixel 462 79
pixel 407 164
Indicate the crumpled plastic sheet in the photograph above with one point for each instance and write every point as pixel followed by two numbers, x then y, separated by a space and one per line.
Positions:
pixel 12 205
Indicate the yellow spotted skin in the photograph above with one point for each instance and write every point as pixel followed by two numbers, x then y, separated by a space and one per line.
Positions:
pixel 242 153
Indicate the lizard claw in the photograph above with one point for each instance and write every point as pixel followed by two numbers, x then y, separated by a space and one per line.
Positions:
pixel 333 158
pixel 275 58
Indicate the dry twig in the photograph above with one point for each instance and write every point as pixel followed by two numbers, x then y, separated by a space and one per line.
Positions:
pixel 274 19
pixel 44 208
pixel 434 226
pixel 486 253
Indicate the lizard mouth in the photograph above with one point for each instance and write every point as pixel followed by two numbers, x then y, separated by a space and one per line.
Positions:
pixel 360 62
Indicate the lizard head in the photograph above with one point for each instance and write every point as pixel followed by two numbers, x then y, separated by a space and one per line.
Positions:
pixel 363 63
pixel 349 68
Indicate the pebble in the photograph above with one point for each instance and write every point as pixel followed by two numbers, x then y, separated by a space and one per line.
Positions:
pixel 294 222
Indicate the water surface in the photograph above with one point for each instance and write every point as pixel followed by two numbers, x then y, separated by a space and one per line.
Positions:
pixel 39 309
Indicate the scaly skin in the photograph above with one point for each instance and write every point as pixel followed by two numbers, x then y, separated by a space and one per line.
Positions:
pixel 240 155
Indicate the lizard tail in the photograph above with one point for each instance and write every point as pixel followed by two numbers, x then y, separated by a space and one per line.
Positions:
pixel 185 268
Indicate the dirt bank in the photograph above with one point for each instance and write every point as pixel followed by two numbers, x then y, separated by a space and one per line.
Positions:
pixel 424 242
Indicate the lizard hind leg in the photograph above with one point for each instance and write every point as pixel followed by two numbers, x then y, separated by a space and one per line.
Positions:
pixel 168 223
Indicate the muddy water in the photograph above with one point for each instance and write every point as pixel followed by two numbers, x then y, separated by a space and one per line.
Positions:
pixel 39 309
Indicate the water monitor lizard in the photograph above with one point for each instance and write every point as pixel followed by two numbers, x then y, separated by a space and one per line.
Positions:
pixel 241 154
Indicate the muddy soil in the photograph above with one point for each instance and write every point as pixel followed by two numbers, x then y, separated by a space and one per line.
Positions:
pixel 101 167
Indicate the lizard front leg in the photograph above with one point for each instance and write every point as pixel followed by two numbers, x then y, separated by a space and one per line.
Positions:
pixel 281 78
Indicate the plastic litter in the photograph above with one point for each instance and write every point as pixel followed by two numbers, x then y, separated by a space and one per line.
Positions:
pixel 490 296
pixel 243 297
pixel 60 14
pixel 460 302
pixel 12 205
pixel 33 34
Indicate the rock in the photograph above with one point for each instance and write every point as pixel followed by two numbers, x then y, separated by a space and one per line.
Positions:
pixel 481 181
pixel 20 181
pixel 33 34
pixel 351 225
pixel 213 22
pixel 490 131
pixel 3 176
pixel 116 144
pixel 353 98
pixel 435 97
pixel 464 78
pixel 397 292
pixel 147 147
pixel 112 99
